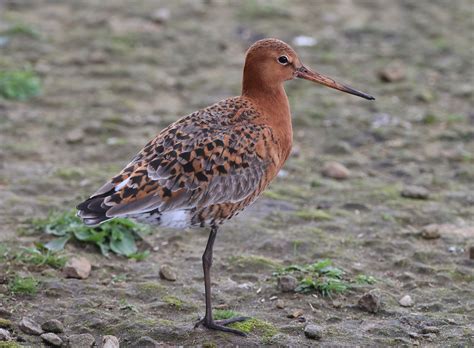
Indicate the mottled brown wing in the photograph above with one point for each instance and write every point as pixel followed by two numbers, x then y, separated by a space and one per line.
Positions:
pixel 195 162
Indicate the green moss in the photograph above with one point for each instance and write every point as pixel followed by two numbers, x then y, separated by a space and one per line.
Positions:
pixel 165 322
pixel 5 323
pixel 23 285
pixel 22 29
pixel 246 261
pixel 173 301
pixel 313 214
pixel 256 326
pixel 150 288
pixel 9 344
pixel 220 314
pixel 19 84
pixel 69 173
pixel 287 192
pixel 252 9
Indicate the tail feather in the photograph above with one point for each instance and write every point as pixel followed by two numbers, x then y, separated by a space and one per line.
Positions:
pixel 93 210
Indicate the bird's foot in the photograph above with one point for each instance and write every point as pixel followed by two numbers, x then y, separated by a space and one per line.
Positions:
pixel 220 325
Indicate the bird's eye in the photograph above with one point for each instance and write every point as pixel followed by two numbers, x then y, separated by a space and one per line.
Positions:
pixel 283 60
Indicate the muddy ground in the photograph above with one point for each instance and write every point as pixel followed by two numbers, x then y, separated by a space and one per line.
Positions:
pixel 115 72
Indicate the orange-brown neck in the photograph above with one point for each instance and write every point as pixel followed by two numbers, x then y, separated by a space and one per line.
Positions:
pixel 272 102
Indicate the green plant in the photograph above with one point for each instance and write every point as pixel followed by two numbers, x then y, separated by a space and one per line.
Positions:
pixel 320 276
pixel 19 84
pixel 365 279
pixel 23 285
pixel 22 29
pixel 324 285
pixel 118 236
pixel 41 256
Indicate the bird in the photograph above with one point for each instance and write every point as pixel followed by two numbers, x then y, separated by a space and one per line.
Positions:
pixel 208 166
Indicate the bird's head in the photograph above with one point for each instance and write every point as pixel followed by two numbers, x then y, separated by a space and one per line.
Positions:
pixel 270 62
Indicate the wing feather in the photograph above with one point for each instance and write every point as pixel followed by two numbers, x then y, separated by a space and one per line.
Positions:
pixel 198 161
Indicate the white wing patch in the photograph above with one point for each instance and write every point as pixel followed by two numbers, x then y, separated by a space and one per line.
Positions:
pixel 121 185
pixel 175 218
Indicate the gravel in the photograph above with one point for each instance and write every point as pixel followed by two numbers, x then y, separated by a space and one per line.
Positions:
pixel 314 332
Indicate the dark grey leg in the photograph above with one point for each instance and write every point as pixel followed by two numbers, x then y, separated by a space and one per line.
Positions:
pixel 207 321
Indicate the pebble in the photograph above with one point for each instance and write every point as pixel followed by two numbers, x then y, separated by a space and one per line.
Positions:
pixel 161 15
pixel 393 72
pixel 75 136
pixel 295 314
pixel 52 339
pixel 415 192
pixel 280 304
pixel 370 301
pixel 5 335
pixel 5 313
pixel 29 326
pixel 77 267
pixel 314 332
pixel 110 341
pixel 430 232
pixel 168 273
pixel 430 329
pixel 53 325
pixel 471 252
pixel 81 341
pixel 147 342
pixel 287 283
pixel 336 170
pixel 406 301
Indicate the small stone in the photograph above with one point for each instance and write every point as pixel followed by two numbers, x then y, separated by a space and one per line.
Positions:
pixel 5 313
pixel 370 301
pixel 280 304
pixel 161 15
pixel 393 72
pixel 430 232
pixel 77 267
pixel 406 301
pixel 314 332
pixel 147 342
pixel 287 283
pixel 336 171
pixel 295 314
pixel 5 335
pixel 53 325
pixel 168 273
pixel 415 192
pixel 75 136
pixel 429 330
pixel 81 341
pixel 110 341
pixel 29 326
pixel 471 252
pixel 52 339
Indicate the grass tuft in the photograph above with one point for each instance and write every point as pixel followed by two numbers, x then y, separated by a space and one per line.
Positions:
pixel 19 84
pixel 41 257
pixel 23 285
